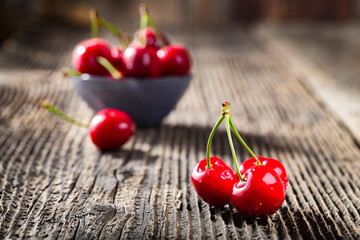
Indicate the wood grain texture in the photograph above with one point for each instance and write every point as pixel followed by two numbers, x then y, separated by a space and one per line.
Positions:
pixel 327 65
pixel 54 184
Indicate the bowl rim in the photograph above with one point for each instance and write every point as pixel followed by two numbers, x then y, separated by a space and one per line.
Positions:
pixel 90 77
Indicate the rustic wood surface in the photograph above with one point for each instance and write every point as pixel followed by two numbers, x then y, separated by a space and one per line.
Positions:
pixel 294 93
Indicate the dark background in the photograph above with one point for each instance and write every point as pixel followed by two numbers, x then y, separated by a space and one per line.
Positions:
pixel 176 13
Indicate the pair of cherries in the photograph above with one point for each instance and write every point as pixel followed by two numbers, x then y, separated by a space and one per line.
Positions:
pixel 148 55
pixel 257 189
pixel 109 129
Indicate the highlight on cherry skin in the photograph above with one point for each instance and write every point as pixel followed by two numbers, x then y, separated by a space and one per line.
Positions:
pixel 214 185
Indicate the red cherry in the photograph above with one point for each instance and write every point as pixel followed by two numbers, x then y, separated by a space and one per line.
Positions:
pixel 213 185
pixel 85 53
pixel 274 164
pixel 175 60
pixel 117 58
pixel 261 194
pixel 151 38
pixel 111 128
pixel 141 62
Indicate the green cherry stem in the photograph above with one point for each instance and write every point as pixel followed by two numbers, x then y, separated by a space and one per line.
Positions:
pixel 46 104
pixel 94 23
pixel 208 146
pixel 226 113
pixel 243 142
pixel 70 73
pixel 96 20
pixel 144 22
pixel 114 30
pixel 147 21
pixel 109 67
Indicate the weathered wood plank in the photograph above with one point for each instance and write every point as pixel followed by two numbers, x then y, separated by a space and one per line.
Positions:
pixel 327 62
pixel 55 184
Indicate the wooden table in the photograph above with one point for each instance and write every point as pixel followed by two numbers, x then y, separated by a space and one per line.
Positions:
pixel 295 96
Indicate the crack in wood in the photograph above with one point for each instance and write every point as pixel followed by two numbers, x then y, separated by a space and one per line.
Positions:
pixel 92 185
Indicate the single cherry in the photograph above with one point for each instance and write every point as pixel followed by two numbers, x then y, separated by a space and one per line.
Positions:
pixel 108 129
pixel 261 194
pixel 141 62
pixel 111 128
pixel 175 60
pixel 151 38
pixel 274 164
pixel 84 56
pixel 215 184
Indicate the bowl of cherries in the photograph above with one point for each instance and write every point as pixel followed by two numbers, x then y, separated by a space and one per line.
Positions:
pixel 144 77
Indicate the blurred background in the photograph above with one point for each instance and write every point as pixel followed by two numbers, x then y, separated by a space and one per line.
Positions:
pixel 175 13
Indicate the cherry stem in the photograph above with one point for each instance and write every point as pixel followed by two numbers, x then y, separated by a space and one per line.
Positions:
pixel 46 104
pixel 144 11
pixel 147 21
pixel 96 20
pixel 114 30
pixel 144 21
pixel 243 142
pixel 111 69
pixel 94 23
pixel 208 146
pixel 70 73
pixel 226 113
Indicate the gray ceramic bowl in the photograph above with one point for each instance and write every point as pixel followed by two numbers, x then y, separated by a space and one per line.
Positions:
pixel 147 100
